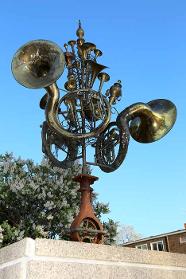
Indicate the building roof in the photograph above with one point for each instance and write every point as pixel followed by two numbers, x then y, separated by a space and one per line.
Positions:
pixel 155 236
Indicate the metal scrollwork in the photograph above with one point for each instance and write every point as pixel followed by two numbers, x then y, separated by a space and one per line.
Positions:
pixel 82 115
pixel 52 144
pixel 111 147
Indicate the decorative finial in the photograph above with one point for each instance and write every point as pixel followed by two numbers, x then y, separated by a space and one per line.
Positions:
pixel 80 31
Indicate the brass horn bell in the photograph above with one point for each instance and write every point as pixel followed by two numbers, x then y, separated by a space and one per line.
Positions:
pixel 154 123
pixel 95 70
pixel 148 122
pixel 85 48
pixel 70 85
pixel 38 64
pixel 103 77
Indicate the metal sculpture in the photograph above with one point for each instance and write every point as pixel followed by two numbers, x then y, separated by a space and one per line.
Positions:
pixel 82 117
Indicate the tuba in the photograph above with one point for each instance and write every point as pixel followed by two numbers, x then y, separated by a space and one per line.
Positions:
pixel 148 122
pixel 38 64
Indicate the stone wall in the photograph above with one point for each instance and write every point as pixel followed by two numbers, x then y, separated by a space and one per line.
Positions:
pixel 55 259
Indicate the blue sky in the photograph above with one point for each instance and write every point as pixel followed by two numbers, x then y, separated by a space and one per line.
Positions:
pixel 144 45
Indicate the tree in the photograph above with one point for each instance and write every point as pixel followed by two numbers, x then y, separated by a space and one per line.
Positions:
pixel 39 200
pixel 127 233
pixel 111 229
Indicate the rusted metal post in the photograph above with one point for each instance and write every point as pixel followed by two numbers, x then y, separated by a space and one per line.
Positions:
pixel 86 227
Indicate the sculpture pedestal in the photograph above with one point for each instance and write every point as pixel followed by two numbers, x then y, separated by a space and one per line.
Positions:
pixel 57 259
pixel 86 227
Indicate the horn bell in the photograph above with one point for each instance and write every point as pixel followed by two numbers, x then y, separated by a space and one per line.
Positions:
pixel 156 121
pixel 38 63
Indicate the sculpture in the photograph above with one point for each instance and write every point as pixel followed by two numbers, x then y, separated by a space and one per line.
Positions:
pixel 82 117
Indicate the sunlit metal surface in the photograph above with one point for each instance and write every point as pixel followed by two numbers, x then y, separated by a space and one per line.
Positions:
pixel 38 64
pixel 83 116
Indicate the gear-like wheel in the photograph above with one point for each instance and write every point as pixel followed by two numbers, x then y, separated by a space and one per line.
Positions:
pixel 52 145
pixel 89 231
pixel 83 114
pixel 111 147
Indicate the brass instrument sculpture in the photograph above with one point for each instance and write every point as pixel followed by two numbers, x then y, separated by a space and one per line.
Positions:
pixel 82 116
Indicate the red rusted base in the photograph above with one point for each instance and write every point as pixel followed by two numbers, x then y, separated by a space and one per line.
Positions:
pixel 86 227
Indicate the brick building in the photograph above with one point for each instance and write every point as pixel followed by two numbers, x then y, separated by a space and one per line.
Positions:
pixel 174 242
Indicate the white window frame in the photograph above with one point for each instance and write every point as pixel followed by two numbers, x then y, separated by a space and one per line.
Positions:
pixel 156 242
pixel 140 246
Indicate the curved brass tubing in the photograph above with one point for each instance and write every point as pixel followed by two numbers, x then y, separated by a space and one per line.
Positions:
pixel 51 112
pixel 148 122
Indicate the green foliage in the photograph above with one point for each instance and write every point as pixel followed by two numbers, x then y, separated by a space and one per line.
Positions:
pixel 39 200
pixel 111 229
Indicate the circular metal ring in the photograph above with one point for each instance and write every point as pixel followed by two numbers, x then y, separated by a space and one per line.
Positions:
pixel 49 138
pixel 75 115
pixel 108 158
pixel 89 231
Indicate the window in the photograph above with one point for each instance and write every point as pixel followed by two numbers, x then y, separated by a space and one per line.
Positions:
pixel 182 239
pixel 158 246
pixel 142 246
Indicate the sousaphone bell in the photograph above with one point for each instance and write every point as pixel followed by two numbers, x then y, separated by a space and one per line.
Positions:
pixel 38 64
pixel 148 122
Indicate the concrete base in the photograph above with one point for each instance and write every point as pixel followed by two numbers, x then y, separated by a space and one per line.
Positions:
pixel 56 259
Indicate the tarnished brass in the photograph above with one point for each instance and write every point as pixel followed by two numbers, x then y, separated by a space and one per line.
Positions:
pixel 70 148
pixel 95 69
pixel 71 107
pixel 98 52
pixel 85 49
pixel 103 77
pixel 69 57
pixel 80 31
pixel 115 92
pixel 83 113
pixel 80 42
pixel 148 122
pixel 112 146
pixel 66 47
pixel 51 113
pixel 72 43
pixel 92 108
pixel 81 116
pixel 70 85
pixel 43 101
pixel 38 64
